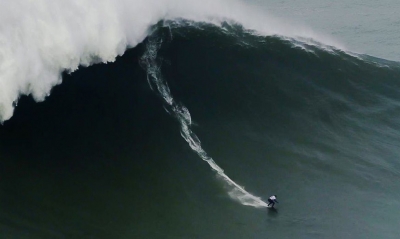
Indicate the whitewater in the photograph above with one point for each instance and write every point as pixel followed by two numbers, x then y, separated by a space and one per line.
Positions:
pixel 41 39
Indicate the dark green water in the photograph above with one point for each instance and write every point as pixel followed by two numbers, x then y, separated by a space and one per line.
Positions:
pixel 100 158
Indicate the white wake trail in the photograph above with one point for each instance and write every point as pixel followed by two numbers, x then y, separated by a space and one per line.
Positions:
pixel 182 114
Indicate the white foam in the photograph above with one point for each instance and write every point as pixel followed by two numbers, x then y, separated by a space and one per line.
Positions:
pixel 40 39
pixel 149 61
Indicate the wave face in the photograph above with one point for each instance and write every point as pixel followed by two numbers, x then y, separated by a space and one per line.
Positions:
pixel 282 115
pixel 182 114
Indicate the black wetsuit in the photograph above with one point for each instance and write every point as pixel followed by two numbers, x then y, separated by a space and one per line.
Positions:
pixel 272 200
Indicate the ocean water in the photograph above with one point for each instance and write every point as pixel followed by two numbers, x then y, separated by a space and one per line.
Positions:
pixel 367 27
pixel 178 119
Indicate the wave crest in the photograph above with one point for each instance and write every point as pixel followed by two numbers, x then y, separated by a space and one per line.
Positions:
pixel 41 39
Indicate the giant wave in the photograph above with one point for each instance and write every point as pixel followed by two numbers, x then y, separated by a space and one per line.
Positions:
pixel 279 114
pixel 50 38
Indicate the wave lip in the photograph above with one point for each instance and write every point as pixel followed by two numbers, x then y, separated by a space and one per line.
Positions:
pixel 41 39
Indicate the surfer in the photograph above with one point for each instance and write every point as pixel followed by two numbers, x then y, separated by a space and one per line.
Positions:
pixel 272 200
